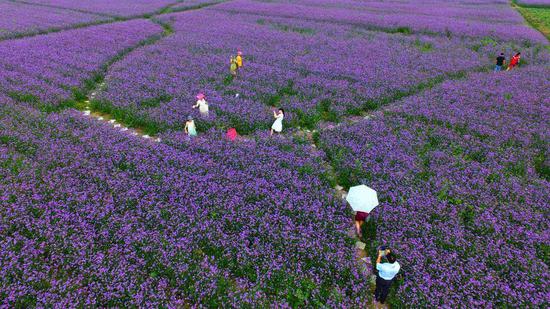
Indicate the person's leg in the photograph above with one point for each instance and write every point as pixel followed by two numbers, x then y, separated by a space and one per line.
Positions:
pixel 378 290
pixel 271 132
pixel 358 228
pixel 385 290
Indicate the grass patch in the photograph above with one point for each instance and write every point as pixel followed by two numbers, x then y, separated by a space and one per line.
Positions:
pixel 424 47
pixel 537 17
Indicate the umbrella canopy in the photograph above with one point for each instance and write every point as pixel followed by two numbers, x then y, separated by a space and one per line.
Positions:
pixel 362 198
pixel 231 134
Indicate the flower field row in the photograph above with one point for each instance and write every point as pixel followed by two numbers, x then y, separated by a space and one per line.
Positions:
pixel 194 4
pixel 493 11
pixel 94 217
pixel 125 8
pixel 541 3
pixel 18 19
pixel 415 16
pixel 464 178
pixel 47 71
pixel 315 71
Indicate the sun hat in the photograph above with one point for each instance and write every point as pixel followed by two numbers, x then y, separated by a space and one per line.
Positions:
pixel 189 117
pixel 200 96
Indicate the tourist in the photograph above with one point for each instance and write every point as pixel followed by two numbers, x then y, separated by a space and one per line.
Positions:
pixel 232 134
pixel 386 274
pixel 239 59
pixel 514 61
pixel 190 128
pixel 202 105
pixel 360 218
pixel 233 66
pixel 500 62
pixel 278 123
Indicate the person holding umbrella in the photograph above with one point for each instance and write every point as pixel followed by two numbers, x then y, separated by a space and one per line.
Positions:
pixel 386 274
pixel 202 104
pixel 190 128
pixel 360 218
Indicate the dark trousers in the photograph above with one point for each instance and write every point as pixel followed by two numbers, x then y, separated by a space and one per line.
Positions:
pixel 382 289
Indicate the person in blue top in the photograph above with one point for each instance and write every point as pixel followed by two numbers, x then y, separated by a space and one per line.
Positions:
pixel 386 274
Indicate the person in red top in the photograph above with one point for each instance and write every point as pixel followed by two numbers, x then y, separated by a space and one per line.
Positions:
pixel 360 218
pixel 514 61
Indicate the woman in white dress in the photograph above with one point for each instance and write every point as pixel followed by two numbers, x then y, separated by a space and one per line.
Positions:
pixel 278 123
pixel 202 105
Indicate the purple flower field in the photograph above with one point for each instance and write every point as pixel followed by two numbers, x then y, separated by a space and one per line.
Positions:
pixel 115 8
pixel 47 70
pixel 428 19
pixel 535 2
pixel 288 63
pixel 18 19
pixel 94 217
pixel 466 189
pixel 399 95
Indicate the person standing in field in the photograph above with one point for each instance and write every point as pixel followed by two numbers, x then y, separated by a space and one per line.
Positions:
pixel 202 105
pixel 190 128
pixel 278 123
pixel 500 62
pixel 386 274
pixel 233 66
pixel 239 59
pixel 360 218
pixel 514 61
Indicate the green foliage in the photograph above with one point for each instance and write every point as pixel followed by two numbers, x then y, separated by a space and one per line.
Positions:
pixel 326 113
pixel 155 101
pixel 517 169
pixel 467 216
pixel 404 30
pixel 543 252
pixel 423 46
pixel 21 146
pixel 538 17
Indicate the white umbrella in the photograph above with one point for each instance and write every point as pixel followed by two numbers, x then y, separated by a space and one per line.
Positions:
pixel 362 198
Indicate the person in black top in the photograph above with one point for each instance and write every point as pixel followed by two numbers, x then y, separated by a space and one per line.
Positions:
pixel 500 62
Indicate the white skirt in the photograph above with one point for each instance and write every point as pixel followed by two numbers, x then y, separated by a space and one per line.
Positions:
pixel 277 125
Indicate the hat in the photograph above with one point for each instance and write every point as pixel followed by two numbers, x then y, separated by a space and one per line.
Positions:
pixel 239 52
pixel 200 96
pixel 189 117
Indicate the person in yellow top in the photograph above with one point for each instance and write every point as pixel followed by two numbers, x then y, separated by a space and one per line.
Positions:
pixel 239 59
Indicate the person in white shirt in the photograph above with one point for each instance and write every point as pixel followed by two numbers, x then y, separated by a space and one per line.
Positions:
pixel 386 274
pixel 202 105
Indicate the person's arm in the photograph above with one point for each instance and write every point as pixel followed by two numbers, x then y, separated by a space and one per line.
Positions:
pixel 379 258
pixel 185 129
